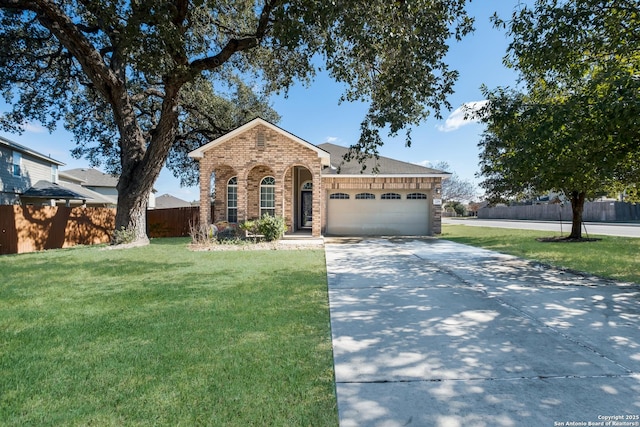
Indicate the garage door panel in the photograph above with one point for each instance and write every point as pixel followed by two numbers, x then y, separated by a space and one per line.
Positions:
pixel 378 217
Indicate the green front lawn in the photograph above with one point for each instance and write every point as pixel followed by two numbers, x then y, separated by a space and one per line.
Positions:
pixel 613 257
pixel 161 335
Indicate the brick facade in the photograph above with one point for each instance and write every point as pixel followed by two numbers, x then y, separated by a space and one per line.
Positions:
pixel 251 156
pixel 254 152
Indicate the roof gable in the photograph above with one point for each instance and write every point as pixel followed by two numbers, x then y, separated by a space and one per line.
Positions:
pixel 386 165
pixel 199 152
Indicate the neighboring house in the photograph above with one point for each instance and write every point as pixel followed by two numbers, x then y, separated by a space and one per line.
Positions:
pixel 261 169
pixel 167 201
pixel 101 185
pixel 21 168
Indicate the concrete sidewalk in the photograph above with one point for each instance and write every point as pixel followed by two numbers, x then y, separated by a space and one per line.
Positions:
pixel 432 333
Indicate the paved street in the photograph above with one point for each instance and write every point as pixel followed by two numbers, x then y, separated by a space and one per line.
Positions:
pixel 607 229
pixel 433 333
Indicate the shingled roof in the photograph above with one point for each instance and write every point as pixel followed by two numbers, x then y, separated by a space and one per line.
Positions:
pixel 47 190
pixel 386 165
pixel 91 177
pixel 167 201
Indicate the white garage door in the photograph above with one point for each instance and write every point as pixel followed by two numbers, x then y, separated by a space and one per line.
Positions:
pixel 378 213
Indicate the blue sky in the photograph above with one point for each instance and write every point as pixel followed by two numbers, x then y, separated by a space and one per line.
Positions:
pixel 314 115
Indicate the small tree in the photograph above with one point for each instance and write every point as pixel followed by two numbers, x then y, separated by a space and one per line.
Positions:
pixel 575 130
pixel 457 207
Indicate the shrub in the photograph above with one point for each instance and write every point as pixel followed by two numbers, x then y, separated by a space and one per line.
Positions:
pixel 271 227
pixel 250 226
pixel 123 236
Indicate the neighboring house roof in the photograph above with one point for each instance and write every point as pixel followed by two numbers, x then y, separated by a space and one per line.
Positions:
pixel 385 165
pixel 167 201
pixel 44 189
pixel 199 152
pixel 90 177
pixel 95 197
pixel 47 190
pixel 15 146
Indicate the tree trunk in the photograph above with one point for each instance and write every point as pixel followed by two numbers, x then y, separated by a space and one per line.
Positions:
pixel 577 207
pixel 131 215
pixel 141 165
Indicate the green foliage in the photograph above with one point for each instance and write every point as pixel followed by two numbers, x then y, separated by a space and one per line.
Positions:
pixel 456 207
pixel 575 129
pixel 271 227
pixel 250 226
pixel 140 84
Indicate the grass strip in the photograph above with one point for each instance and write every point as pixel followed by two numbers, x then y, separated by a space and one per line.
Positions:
pixel 161 335
pixel 612 257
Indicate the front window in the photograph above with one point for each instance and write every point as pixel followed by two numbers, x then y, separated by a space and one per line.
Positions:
pixel 232 200
pixel 54 174
pixel 268 196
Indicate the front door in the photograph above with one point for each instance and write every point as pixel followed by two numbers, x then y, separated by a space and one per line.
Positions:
pixel 306 208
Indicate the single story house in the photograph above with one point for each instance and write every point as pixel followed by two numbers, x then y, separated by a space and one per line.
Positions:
pixel 260 169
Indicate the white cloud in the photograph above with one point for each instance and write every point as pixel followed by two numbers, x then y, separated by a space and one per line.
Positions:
pixel 457 118
pixel 332 139
pixel 35 128
pixel 425 163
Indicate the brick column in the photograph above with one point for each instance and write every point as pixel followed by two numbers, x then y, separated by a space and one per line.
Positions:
pixel 205 194
pixel 316 226
pixel 242 196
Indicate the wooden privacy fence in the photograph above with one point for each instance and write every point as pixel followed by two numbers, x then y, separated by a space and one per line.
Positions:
pixel 174 222
pixel 30 228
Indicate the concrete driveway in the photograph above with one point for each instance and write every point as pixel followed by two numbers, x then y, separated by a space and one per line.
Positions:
pixel 428 332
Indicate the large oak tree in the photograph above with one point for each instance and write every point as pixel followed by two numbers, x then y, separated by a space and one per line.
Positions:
pixel 574 126
pixel 141 82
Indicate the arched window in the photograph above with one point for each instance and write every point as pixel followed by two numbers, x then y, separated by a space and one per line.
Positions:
pixel 307 186
pixel 268 196
pixel 365 196
pixel 390 196
pixel 342 196
pixel 232 200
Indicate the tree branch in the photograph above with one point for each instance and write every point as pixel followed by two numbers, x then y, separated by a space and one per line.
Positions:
pixel 54 19
pixel 237 44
